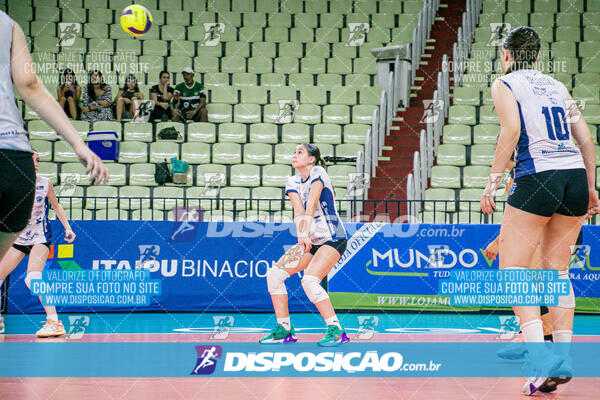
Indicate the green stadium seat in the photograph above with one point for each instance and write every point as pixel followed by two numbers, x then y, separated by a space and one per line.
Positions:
pixel 302 34
pixel 63 152
pixel 591 113
pixel 365 65
pixel 563 50
pixel 232 132
pixel 206 172
pixel 280 20
pixel 247 113
pixel 206 64
pixel 167 198
pixel 470 199
pixel 224 94
pixel 356 133
pixel 459 134
pixel 264 50
pixel 326 149
pixel 159 151
pixel 233 64
pixel 461 115
pixel 589 94
pixel 263 133
pixel 184 48
pixel 370 95
pixel 466 96
pixel 345 95
pixel 267 199
pixel 343 51
pixel 218 216
pixel 286 65
pixel 215 79
pixel 108 126
pixel 339 174
pixel 318 49
pixel 70 197
pixel 258 153
pixel 271 114
pixel 138 131
pixel 284 153
pixel 129 46
pixel 47 13
pixel 195 153
pixel 482 154
pixel 309 114
pixel 43 28
pixel 276 175
pixel 363 114
pixel 218 113
pixel 444 176
pixel 271 80
pixel 73 172
pixel 475 176
pixel 588 49
pixel 254 94
pixel 544 18
pixel 260 65
pixel 485 134
pixel 568 18
pixel 39 129
pixel 291 49
pixel 208 51
pixel 348 150
pixel 440 199
pixel 199 196
pixel 101 197
pixel 155 48
pixel 276 34
pixel 327 133
pixel 178 17
pixel 202 132
pixel 245 175
pixel 43 148
pixel 301 79
pixel 227 153
pixel 282 93
pixel 295 133
pixel 244 80
pixel 101 16
pixel 313 95
pixel 358 80
pixel 487 115
pixel 142 175
pixel 329 80
pixel 241 196
pixel 463 217
pixel 49 170
pixel 589 78
pixel 452 154
pixel 312 65
pixel 335 114
pixel 250 34
pixel 117 174
pixel 340 65
pixel 134 198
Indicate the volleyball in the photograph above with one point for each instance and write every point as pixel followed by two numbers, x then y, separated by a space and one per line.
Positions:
pixel 136 20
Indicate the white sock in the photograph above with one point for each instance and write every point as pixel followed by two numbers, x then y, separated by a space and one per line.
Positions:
pixel 533 334
pixel 285 322
pixel 333 321
pixel 563 337
pixel 52 317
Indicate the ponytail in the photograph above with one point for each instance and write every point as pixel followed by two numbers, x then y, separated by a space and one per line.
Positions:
pixel 524 45
pixel 316 153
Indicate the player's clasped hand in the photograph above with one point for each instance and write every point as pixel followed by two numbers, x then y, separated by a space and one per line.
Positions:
pixel 594 202
pixel 69 236
pixel 491 251
pixel 304 241
pixel 487 198
pixel 93 165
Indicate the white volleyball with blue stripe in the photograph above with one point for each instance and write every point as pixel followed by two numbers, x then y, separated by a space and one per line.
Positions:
pixel 136 20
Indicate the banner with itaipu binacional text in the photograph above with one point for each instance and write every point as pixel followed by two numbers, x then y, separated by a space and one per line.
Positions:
pixel 197 266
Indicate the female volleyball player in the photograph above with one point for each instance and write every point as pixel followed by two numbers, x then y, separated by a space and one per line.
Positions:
pixel 553 189
pixel 35 241
pixel 321 243
pixel 17 188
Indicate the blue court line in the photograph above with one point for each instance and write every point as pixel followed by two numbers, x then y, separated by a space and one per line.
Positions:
pixel 258 323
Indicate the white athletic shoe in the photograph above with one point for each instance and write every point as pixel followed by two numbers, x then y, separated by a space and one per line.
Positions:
pixel 50 329
pixel 551 364
pixel 1 325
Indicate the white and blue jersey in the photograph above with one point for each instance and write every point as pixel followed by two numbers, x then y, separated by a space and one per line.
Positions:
pixel 545 141
pixel 327 225
pixel 38 229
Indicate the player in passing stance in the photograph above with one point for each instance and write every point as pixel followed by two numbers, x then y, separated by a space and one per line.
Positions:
pixel 552 193
pixel 35 242
pixel 17 186
pixel 321 243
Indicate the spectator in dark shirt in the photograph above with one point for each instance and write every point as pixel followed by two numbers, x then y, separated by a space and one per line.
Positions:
pixel 162 94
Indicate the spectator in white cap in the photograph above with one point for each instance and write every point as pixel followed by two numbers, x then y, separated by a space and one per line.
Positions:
pixel 191 99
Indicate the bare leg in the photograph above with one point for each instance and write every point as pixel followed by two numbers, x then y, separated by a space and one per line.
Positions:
pixel 6 242
pixel 37 261
pixel 203 115
pixel 72 108
pixel 320 265
pixel 280 301
pixel 119 109
pixel 9 262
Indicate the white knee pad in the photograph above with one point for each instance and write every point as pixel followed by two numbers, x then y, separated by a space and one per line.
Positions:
pixel 567 301
pixel 31 276
pixel 313 289
pixel 276 280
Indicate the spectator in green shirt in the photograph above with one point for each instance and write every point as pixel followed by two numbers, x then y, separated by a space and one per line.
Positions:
pixel 191 99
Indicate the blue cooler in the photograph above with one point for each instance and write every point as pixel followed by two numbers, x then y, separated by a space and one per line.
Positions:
pixel 105 144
